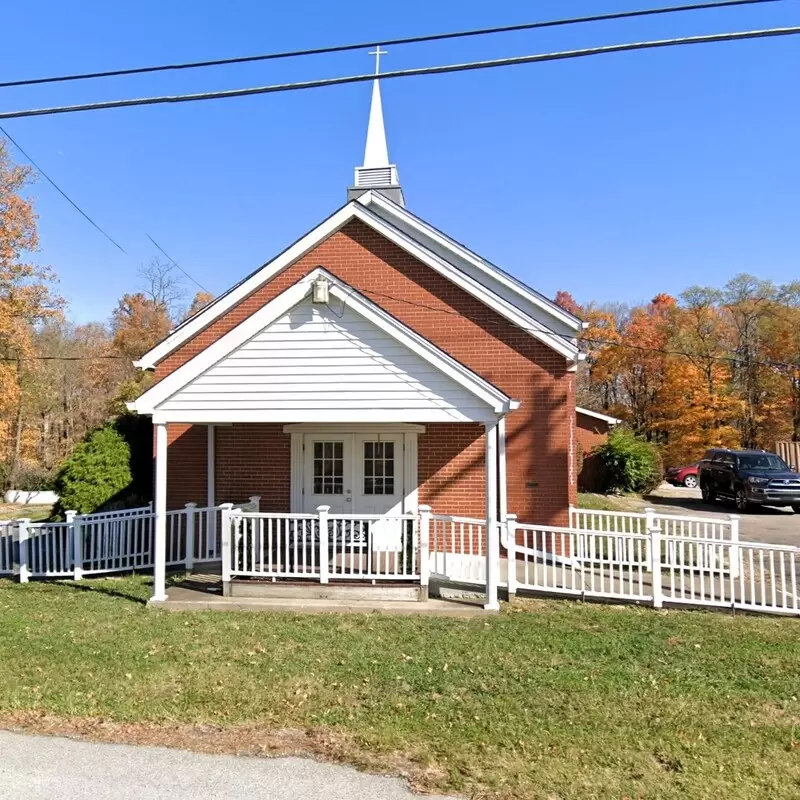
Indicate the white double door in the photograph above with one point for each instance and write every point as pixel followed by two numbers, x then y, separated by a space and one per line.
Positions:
pixel 354 473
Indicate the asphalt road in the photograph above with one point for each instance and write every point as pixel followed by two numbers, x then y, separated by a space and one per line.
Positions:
pixel 769 525
pixel 44 768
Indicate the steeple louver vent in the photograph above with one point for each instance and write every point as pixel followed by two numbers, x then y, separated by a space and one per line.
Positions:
pixel 373 177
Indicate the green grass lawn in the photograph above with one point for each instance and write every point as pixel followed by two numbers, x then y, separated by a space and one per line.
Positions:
pixel 15 511
pixel 550 700
pixel 610 502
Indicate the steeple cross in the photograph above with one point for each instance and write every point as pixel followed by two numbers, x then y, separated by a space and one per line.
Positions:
pixel 377 52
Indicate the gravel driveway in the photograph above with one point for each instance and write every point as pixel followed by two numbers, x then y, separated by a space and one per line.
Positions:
pixel 771 525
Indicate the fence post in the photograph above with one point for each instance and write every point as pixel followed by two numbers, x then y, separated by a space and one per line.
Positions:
pixel 511 551
pixel 573 513
pixel 655 538
pixel 74 521
pixel 227 553
pixel 24 550
pixel 735 555
pixel 424 550
pixel 324 544
pixel 190 522
pixel 255 499
pixel 649 525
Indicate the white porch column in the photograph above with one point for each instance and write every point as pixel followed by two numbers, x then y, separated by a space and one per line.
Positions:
pixel 160 556
pixel 502 472
pixel 492 533
pixel 211 492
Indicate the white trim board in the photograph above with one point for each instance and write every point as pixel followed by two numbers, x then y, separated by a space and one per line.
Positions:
pixel 496 402
pixel 351 427
pixel 359 209
pixel 597 415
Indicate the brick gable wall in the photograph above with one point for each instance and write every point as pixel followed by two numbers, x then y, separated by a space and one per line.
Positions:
pixel 451 456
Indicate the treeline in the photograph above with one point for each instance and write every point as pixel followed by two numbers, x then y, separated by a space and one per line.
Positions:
pixel 712 367
pixel 58 380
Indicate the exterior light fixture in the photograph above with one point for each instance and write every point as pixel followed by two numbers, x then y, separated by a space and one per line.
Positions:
pixel 321 290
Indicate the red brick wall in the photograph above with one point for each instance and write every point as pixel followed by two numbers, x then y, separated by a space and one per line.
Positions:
pixel 187 465
pixel 254 459
pixel 538 433
pixel 589 432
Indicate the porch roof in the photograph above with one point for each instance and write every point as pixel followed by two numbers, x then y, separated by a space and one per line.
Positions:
pixel 344 361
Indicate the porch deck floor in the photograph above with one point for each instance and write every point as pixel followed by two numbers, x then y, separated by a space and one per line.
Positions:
pixel 204 593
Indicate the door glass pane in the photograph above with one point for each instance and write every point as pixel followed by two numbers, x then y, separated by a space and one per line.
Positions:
pixel 378 468
pixel 328 467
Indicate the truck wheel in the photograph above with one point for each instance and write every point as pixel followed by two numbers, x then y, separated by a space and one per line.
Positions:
pixel 690 481
pixel 708 495
pixel 796 509
pixel 742 503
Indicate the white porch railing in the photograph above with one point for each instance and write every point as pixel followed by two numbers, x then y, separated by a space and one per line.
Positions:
pixel 321 546
pixel 109 542
pixel 541 559
pixel 717 527
pixel 458 548
pixel 645 558
pixel 653 567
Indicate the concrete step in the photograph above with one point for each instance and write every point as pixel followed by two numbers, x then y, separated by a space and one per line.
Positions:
pixel 184 601
pixel 284 590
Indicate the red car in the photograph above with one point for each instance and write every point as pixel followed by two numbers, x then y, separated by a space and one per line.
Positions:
pixel 683 476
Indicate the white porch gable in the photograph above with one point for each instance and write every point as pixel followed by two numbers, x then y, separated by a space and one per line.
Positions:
pixel 345 361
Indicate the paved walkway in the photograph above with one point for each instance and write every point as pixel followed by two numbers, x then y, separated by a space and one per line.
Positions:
pixel 43 767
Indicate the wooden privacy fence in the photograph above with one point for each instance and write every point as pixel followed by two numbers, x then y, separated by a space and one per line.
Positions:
pixel 789 452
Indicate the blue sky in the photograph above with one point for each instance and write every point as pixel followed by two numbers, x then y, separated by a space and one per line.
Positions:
pixel 614 177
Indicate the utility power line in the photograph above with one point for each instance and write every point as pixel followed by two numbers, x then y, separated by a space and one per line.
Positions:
pixel 83 213
pixel 599 342
pixel 175 263
pixel 731 359
pixel 60 190
pixel 341 48
pixel 407 73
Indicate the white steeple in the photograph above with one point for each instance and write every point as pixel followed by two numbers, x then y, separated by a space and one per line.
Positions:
pixel 376 153
pixel 377 173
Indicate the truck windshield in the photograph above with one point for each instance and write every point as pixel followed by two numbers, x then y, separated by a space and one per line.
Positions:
pixel 762 461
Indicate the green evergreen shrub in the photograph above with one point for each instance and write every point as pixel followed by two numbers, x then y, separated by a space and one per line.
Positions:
pixel 628 463
pixel 98 471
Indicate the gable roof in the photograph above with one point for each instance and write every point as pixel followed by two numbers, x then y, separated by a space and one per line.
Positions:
pixel 156 399
pixel 508 297
pixel 389 210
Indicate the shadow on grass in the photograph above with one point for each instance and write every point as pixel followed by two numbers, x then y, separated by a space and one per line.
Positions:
pixel 111 587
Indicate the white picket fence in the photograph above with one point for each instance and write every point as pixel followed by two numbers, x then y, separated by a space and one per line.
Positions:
pixel 320 547
pixel 649 558
pixel 457 548
pixel 114 541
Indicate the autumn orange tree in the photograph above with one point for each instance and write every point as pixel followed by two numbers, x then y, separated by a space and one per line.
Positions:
pixel 716 367
pixel 27 299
